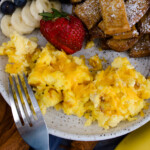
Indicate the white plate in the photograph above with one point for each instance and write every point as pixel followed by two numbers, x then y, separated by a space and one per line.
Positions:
pixel 72 127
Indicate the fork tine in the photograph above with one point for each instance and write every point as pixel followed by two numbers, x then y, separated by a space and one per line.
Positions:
pixel 33 100
pixel 19 102
pixel 29 112
pixel 13 106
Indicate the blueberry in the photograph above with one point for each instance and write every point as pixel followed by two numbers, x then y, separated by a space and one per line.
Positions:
pixel 20 3
pixel 65 1
pixel 8 7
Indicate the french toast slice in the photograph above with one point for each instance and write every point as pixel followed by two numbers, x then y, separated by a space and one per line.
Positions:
pixel 136 9
pixel 96 33
pixel 122 45
pixel 89 12
pixel 114 16
pixel 127 35
pixel 144 24
pixel 104 45
pixel 101 25
pixel 142 48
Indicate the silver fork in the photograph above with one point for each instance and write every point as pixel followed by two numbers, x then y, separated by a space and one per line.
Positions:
pixel 30 125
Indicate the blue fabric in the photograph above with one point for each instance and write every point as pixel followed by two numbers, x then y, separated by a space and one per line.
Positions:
pixel 56 142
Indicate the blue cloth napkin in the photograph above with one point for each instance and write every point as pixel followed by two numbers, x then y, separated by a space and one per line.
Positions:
pixel 56 142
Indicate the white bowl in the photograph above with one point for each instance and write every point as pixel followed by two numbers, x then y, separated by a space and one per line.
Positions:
pixel 72 127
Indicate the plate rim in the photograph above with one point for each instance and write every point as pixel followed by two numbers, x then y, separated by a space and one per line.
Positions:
pixel 94 137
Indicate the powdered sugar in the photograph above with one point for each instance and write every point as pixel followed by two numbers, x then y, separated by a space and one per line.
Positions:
pixel 113 15
pixel 118 5
pixel 145 23
pixel 135 32
pixel 143 44
pixel 89 12
pixel 136 9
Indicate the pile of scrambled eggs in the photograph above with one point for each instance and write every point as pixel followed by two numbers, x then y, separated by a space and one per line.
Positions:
pixel 65 82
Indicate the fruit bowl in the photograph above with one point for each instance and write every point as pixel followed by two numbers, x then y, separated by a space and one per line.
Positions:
pixel 72 127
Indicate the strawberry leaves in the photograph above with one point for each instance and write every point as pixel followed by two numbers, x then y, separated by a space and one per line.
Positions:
pixel 54 15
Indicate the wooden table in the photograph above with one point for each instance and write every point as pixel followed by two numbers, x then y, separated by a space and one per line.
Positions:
pixel 11 140
pixel 9 136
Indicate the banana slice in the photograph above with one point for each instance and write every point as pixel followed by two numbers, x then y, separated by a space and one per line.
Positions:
pixel 28 18
pixel 18 23
pixel 34 11
pixel 43 5
pixel 6 26
pixel 56 4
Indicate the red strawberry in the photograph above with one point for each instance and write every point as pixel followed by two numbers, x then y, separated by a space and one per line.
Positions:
pixel 63 31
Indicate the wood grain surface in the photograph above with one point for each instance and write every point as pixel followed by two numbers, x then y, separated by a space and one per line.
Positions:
pixel 9 136
pixel 11 140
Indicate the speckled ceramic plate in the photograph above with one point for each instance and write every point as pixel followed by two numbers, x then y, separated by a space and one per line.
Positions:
pixel 72 127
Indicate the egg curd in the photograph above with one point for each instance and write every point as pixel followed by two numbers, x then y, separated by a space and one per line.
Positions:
pixel 65 82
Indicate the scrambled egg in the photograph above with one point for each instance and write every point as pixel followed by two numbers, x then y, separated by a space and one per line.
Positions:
pixel 96 63
pixel 21 52
pixel 89 44
pixel 65 82
pixel 61 79
pixel 119 95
